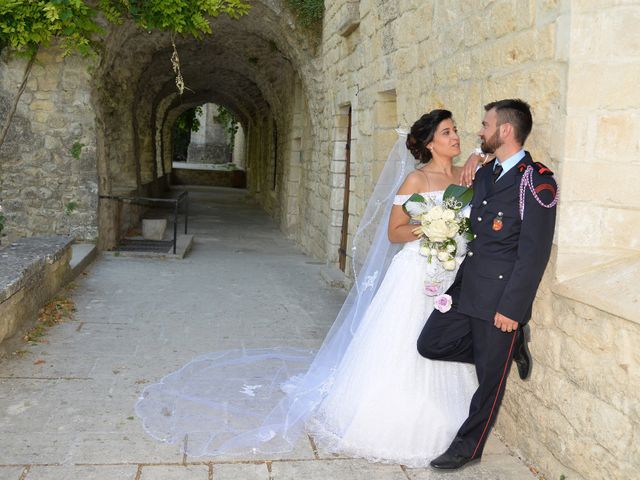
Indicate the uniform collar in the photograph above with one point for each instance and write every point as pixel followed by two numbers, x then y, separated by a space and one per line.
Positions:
pixel 510 162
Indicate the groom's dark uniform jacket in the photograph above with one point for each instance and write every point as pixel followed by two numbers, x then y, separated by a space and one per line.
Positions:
pixel 501 273
pixel 507 257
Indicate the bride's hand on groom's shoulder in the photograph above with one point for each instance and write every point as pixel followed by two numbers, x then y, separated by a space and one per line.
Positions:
pixel 471 166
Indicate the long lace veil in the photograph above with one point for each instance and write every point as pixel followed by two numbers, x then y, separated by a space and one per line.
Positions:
pixel 257 402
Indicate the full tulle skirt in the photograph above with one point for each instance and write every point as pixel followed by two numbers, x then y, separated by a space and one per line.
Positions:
pixel 386 402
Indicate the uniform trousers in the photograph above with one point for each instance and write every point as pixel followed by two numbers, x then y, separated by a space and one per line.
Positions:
pixel 454 336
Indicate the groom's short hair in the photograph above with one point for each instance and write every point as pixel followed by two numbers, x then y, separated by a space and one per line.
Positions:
pixel 516 112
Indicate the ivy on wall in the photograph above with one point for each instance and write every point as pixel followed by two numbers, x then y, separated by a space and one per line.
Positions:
pixel 309 12
pixel 226 118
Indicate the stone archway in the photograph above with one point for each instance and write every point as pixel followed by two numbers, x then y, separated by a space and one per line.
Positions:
pixel 251 66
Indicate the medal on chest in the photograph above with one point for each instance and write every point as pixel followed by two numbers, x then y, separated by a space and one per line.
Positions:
pixel 497 223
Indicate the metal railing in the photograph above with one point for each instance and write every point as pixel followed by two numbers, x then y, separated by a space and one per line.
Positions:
pixel 183 197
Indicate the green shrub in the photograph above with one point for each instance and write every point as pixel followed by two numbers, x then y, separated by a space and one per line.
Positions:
pixel 309 12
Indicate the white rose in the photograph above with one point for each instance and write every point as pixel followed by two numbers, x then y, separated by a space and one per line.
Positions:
pixel 433 251
pixel 453 229
pixel 434 214
pixel 424 250
pixel 449 265
pixel 448 214
pixel 438 231
pixel 451 248
pixel 443 256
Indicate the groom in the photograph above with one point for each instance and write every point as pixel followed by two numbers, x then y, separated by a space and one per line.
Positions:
pixel 494 289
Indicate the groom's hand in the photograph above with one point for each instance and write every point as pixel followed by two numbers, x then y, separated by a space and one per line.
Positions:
pixel 504 323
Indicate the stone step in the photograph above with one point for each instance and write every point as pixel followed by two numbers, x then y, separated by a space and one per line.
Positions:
pixel 82 254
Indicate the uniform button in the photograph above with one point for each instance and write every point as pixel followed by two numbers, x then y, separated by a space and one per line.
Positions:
pixel 479 219
pixel 484 202
pixel 500 214
pixel 470 254
pixel 475 235
pixel 500 277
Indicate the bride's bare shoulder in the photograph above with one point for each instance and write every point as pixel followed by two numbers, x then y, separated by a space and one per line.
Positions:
pixel 415 182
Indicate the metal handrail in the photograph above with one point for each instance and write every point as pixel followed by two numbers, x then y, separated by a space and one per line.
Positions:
pixel 182 197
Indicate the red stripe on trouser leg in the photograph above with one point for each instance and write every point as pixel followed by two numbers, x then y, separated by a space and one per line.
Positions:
pixel 495 400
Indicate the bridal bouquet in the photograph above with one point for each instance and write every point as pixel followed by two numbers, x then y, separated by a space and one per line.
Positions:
pixel 441 224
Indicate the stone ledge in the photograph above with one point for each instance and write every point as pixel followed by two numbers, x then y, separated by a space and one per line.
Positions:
pixel 32 270
pixel 611 285
pixel 334 277
pixel 25 257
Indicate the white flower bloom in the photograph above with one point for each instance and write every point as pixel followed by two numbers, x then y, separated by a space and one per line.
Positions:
pixel 443 256
pixel 438 230
pixel 433 252
pixel 449 265
pixel 434 214
pixel 425 250
pixel 451 248
pixel 448 215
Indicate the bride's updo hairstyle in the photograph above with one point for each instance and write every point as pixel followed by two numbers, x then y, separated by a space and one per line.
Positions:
pixel 422 132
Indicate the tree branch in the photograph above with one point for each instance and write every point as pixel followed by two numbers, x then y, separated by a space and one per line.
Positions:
pixel 12 110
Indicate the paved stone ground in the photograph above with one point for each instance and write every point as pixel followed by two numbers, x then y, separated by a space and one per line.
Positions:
pixel 67 405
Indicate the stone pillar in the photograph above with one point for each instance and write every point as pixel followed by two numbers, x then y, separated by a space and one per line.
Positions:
pixel 209 144
pixel 239 148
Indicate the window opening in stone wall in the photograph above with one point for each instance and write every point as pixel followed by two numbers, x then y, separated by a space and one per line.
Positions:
pixel 384 134
pixel 348 17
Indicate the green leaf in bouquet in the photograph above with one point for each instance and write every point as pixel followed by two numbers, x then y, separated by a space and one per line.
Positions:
pixel 416 198
pixel 460 193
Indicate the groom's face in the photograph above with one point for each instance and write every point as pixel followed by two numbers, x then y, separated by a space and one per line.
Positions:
pixel 490 132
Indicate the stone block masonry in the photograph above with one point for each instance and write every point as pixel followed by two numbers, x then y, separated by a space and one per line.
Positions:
pixel 48 172
pixel 32 270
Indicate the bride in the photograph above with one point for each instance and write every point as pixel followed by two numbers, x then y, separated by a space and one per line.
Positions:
pixel 367 392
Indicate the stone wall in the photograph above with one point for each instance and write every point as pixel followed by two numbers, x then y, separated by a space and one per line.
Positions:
pixel 212 178
pixel 44 189
pixel 31 272
pixel 579 414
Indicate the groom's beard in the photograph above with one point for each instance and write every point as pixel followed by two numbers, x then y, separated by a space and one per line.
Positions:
pixel 492 144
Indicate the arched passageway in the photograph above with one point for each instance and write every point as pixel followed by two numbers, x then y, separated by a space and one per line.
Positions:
pixel 258 67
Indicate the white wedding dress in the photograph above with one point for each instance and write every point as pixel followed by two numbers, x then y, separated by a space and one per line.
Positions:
pixel 387 403
pixel 366 392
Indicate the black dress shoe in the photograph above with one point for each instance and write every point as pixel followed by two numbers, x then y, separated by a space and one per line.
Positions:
pixel 521 354
pixel 452 461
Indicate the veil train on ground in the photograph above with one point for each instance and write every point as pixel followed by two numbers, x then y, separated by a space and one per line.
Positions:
pixel 239 402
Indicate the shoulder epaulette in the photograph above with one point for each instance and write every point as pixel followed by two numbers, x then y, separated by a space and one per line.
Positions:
pixel 539 167
pixel 528 183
